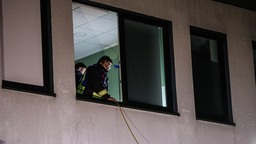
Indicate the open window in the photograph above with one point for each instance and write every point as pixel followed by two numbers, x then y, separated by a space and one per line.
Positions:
pixel 211 76
pixel 96 35
pixel 142 75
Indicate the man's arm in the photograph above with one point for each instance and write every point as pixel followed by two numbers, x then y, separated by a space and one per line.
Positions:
pixel 95 80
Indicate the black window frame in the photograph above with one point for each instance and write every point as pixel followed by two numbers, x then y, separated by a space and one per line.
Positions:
pixel 46 37
pixel 223 55
pixel 254 64
pixel 172 107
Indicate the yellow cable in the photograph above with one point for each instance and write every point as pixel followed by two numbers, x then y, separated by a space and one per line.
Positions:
pixel 126 122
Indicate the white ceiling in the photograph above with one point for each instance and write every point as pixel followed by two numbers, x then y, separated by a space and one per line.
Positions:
pixel 94 29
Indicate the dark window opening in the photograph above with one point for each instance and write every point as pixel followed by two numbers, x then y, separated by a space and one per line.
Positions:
pixel 210 75
pixel 254 57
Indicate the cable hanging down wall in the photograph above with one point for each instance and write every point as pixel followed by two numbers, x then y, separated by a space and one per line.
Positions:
pixel 126 122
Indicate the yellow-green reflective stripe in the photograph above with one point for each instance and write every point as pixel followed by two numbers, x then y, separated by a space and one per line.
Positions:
pixel 81 87
pixel 79 91
pixel 95 95
pixel 103 92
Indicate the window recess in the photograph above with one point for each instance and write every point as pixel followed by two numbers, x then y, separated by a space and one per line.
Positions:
pixel 145 79
pixel 27 46
pixel 254 57
pixel 211 76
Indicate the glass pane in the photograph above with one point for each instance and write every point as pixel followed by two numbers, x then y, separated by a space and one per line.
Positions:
pixel 22 44
pixel 145 65
pixel 254 59
pixel 209 83
pixel 95 35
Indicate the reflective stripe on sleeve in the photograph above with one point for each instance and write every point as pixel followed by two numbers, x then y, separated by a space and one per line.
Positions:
pixel 95 95
pixel 81 87
pixel 103 92
pixel 100 94
pixel 79 91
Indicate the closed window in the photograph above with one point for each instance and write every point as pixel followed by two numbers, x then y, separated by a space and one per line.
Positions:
pixel 27 47
pixel 254 57
pixel 210 75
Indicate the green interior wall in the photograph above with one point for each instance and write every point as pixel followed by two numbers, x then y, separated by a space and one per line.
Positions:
pixel 113 74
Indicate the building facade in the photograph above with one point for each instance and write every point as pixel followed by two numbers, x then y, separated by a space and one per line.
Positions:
pixel 46 110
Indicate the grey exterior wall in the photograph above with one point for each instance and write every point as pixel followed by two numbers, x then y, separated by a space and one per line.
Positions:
pixel 36 119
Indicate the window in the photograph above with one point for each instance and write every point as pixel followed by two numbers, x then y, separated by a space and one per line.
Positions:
pixel 25 31
pixel 140 45
pixel 96 35
pixel 254 57
pixel 211 76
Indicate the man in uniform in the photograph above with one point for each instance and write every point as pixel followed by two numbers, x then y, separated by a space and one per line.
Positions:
pixel 95 81
pixel 80 69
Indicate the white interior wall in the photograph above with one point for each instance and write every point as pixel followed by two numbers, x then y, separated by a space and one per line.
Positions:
pixel 33 119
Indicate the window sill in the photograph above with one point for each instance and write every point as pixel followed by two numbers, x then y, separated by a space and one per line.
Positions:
pixel 94 100
pixel 215 121
pixel 27 88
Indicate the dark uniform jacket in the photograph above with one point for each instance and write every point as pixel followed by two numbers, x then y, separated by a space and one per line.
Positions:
pixel 79 77
pixel 94 83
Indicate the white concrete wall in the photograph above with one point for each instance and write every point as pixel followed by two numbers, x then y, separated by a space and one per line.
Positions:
pixel 34 119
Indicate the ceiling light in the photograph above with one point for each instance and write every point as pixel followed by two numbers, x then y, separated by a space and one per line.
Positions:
pixel 80 34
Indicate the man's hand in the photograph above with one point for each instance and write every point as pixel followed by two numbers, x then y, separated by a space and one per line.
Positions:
pixel 112 99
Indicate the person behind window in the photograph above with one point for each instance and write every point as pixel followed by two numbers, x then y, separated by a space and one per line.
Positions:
pixel 95 81
pixel 80 69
